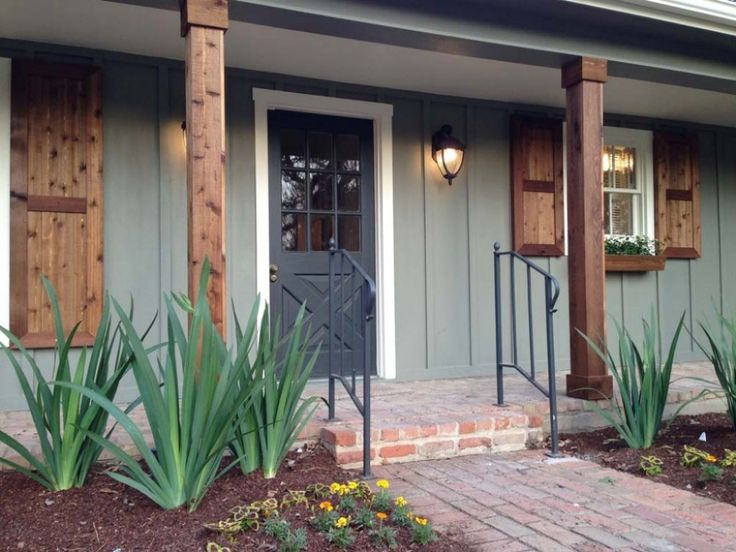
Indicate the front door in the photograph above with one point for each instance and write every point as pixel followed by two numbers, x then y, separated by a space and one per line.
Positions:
pixel 321 187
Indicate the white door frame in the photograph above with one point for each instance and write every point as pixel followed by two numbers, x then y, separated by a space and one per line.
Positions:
pixel 5 64
pixel 381 115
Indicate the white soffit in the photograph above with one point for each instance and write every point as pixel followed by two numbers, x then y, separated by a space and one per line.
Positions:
pixel 96 24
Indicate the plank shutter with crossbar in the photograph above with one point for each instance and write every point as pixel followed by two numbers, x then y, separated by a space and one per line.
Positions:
pixel 537 186
pixel 56 200
pixel 678 194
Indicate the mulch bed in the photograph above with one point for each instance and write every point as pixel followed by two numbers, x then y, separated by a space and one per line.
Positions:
pixel 603 447
pixel 105 515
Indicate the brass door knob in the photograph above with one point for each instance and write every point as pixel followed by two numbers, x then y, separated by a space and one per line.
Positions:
pixel 274 271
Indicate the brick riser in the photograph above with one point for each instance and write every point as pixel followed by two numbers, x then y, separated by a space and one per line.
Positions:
pixel 409 443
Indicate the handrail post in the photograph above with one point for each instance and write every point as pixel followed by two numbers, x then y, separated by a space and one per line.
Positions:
pixel 331 291
pixel 499 340
pixel 552 383
pixel 366 385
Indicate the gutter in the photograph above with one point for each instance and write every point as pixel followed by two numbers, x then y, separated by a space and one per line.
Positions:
pixel 709 15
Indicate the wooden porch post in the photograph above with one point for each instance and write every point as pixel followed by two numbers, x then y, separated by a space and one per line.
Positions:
pixel 583 79
pixel 203 23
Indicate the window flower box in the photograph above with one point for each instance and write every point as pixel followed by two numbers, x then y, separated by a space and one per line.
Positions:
pixel 634 263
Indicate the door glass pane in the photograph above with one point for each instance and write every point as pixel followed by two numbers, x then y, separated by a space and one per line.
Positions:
pixel 292 148
pixel 321 232
pixel 293 232
pixel 293 193
pixel 619 213
pixel 347 148
pixel 320 150
pixel 320 185
pixel 348 192
pixel 349 232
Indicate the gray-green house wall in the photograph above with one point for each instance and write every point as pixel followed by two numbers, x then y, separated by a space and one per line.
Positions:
pixel 443 235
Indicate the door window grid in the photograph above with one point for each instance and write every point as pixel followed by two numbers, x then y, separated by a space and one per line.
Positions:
pixel 324 200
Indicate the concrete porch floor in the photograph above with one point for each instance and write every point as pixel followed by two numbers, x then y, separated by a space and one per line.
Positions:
pixel 416 420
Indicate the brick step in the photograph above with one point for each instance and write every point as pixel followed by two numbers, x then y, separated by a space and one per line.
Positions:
pixel 422 440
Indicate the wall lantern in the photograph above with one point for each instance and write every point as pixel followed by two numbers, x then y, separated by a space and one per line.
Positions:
pixel 448 152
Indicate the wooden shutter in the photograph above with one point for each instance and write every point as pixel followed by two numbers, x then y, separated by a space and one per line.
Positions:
pixel 677 194
pixel 537 186
pixel 56 199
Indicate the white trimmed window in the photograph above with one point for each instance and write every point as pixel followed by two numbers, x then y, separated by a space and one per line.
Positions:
pixel 628 182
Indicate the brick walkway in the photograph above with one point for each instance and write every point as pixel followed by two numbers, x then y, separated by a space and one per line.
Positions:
pixel 522 501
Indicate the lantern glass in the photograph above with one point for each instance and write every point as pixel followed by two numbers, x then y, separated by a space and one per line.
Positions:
pixel 449 161
pixel 447 152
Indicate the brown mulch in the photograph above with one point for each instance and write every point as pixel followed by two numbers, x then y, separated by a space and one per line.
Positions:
pixel 603 446
pixel 105 515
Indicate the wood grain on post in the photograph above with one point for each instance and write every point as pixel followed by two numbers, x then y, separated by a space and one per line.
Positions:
pixel 583 79
pixel 203 24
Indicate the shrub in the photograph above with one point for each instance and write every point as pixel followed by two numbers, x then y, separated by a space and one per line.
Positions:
pixel 68 424
pixel 642 380
pixel 190 431
pixel 721 352
pixel 266 428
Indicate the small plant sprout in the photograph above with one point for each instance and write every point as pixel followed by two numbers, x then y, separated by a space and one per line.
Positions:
pixel 383 535
pixel 710 472
pixel 651 465
pixel 422 532
pixel 693 457
pixel 382 500
pixel 340 534
pixel 364 518
pixel 400 514
pixel 729 459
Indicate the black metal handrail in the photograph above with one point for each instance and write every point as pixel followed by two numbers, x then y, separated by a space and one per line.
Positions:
pixel 551 294
pixel 343 272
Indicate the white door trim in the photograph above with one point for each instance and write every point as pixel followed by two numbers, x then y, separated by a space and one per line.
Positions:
pixel 5 64
pixel 381 115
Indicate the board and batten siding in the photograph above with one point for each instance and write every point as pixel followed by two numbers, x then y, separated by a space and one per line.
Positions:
pixel 443 235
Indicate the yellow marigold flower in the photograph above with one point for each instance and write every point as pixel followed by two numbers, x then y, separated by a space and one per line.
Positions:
pixel 326 506
pixel 341 522
pixel 382 515
pixel 335 487
pixel 421 520
pixel 712 459
pixel 400 501
pixel 411 515
pixel 382 484
pixel 352 485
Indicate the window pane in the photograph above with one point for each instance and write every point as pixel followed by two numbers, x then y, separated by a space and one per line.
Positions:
pixel 619 213
pixel 348 193
pixel 321 232
pixel 293 193
pixel 619 167
pixel 293 232
pixel 349 232
pixel 292 148
pixel 320 150
pixel 348 153
pixel 320 185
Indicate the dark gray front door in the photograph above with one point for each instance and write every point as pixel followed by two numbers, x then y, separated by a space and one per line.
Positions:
pixel 321 186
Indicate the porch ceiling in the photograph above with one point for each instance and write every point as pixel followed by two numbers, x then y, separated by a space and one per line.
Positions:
pixel 154 32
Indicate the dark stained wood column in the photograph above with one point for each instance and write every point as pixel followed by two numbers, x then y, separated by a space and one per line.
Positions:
pixel 203 23
pixel 583 79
